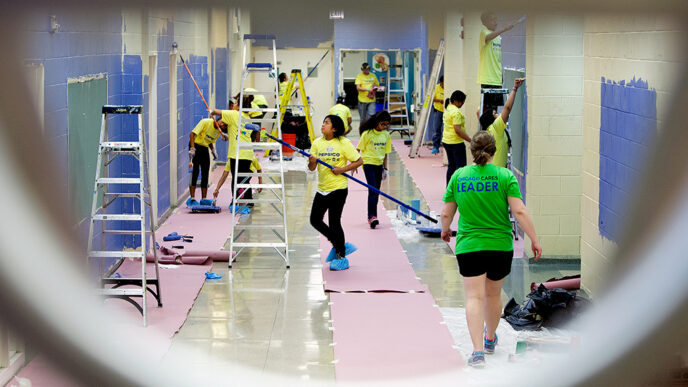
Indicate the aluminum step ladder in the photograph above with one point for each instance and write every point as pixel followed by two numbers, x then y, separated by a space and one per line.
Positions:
pixel 109 220
pixel 424 116
pixel 246 234
pixel 397 88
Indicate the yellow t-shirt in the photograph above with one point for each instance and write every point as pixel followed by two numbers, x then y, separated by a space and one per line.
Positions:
pixel 374 145
pixel 490 66
pixel 255 165
pixel 231 118
pixel 452 116
pixel 206 132
pixel 439 94
pixel 343 112
pixel 498 130
pixel 366 81
pixel 282 88
pixel 258 98
pixel 335 152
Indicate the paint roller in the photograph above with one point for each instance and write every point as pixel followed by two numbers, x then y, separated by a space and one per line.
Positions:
pixel 256 128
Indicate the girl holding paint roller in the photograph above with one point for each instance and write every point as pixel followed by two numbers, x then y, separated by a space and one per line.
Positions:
pixel 375 144
pixel 338 151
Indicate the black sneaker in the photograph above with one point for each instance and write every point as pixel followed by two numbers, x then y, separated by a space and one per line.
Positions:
pixel 373 222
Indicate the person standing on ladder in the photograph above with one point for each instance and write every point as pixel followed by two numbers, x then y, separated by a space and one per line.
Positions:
pixel 366 83
pixel 436 118
pixel 201 139
pixel 490 66
pixel 496 124
pixel 343 112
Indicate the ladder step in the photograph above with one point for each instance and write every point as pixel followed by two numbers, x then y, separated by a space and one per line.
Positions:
pixel 397 115
pixel 397 91
pixel 397 103
pixel 258 201
pixel 258 92
pixel 266 110
pixel 269 186
pixel 398 128
pixel 136 217
pixel 119 180
pixel 260 226
pixel 259 244
pixel 122 109
pixel 120 145
pixel 396 78
pixel 126 194
pixel 122 292
pixel 263 66
pixel 115 254
pixel 124 232
pixel 260 145
pixel 260 174
pixel 258 120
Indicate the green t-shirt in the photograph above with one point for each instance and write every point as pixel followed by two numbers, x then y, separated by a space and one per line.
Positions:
pixel 480 193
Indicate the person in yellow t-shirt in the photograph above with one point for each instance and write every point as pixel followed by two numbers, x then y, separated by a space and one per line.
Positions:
pixel 496 124
pixel 283 82
pixel 365 83
pixel 490 65
pixel 374 145
pixel 258 102
pixel 201 139
pixel 436 116
pixel 454 134
pixel 231 118
pixel 343 112
pixel 338 151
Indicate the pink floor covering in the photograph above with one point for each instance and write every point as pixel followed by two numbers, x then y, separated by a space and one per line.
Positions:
pixel 395 332
pixel 380 263
pixel 387 336
pixel 180 286
pixel 429 175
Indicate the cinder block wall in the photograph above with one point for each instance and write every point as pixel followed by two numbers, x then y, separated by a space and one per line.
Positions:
pixel 632 64
pixel 554 86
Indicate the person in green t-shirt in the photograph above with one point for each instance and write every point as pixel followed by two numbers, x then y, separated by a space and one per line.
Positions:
pixel 496 124
pixel 375 144
pixel 483 193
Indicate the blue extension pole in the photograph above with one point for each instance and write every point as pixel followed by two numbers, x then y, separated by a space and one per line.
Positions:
pixel 256 128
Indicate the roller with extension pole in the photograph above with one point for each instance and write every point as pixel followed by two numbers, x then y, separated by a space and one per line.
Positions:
pixel 256 128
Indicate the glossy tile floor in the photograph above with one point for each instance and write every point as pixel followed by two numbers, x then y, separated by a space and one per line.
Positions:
pixel 275 320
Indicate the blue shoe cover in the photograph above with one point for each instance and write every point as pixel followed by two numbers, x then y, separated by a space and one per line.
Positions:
pixel 206 202
pixel 211 275
pixel 240 209
pixel 349 248
pixel 172 237
pixel 190 202
pixel 339 264
pixel 331 256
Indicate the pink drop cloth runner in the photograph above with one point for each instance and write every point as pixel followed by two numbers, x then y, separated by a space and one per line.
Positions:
pixel 180 285
pixel 390 336
pixel 429 175
pixel 380 263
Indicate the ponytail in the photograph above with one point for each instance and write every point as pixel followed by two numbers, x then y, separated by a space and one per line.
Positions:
pixel 483 147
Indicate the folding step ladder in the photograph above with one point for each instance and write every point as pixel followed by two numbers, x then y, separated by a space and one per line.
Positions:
pixel 422 120
pixel 245 234
pixel 110 218
pixel 396 98
pixel 305 103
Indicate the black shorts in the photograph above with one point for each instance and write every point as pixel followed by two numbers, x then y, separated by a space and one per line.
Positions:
pixel 497 264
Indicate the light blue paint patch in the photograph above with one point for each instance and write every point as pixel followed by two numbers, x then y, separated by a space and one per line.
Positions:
pixel 628 127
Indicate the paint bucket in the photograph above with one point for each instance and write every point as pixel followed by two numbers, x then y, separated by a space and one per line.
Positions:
pixel 289 138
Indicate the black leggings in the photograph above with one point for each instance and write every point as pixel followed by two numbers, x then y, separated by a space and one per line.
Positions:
pixel 373 175
pixel 456 157
pixel 333 204
pixel 200 160
pixel 244 167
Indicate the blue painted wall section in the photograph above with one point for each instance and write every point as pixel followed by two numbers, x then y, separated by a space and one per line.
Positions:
pixel 164 44
pixel 628 126
pixel 221 86
pixel 360 30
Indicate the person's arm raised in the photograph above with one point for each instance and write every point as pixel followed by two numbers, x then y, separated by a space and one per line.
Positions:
pixel 509 104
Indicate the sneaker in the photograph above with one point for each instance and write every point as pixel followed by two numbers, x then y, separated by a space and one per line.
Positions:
pixel 490 345
pixel 477 359
pixel 435 151
pixel 340 264
pixel 373 222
